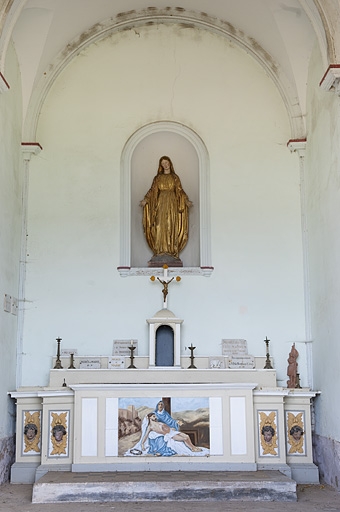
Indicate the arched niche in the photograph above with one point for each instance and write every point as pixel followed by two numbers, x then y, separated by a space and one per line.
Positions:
pixel 139 165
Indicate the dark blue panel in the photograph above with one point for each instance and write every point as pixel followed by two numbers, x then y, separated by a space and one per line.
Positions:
pixel 164 346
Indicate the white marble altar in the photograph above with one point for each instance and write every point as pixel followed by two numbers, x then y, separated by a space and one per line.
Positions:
pixel 243 407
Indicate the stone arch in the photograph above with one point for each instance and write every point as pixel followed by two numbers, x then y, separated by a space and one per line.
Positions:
pixel 170 16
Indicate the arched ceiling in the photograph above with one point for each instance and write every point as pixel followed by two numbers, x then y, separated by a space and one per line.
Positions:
pixel 280 34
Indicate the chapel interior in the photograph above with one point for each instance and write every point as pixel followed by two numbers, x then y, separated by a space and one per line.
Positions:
pixel 228 297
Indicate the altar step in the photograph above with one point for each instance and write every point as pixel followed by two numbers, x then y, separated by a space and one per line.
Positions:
pixel 55 487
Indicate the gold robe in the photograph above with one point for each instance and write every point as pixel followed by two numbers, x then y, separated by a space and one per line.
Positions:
pixel 165 215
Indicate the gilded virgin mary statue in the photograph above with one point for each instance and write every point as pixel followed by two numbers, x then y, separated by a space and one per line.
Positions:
pixel 166 216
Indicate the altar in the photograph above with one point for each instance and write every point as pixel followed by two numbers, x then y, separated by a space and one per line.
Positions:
pixel 164 411
pixel 217 419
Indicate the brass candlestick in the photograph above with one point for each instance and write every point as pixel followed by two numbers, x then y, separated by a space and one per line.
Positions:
pixel 58 365
pixel 71 367
pixel 131 348
pixel 297 385
pixel 268 365
pixel 191 348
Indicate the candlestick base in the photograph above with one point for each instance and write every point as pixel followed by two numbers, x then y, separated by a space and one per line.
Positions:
pixel 71 367
pixel 268 365
pixel 192 357
pixel 131 358
pixel 297 385
pixel 192 366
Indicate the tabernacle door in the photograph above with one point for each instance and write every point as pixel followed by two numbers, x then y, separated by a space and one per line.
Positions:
pixel 164 346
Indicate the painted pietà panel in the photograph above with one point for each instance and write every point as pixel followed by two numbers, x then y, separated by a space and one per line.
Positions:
pixel 163 427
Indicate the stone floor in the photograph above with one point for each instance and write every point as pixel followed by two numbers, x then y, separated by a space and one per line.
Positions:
pixel 311 498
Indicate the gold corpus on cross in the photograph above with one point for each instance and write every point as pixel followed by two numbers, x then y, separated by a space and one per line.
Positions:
pixel 165 282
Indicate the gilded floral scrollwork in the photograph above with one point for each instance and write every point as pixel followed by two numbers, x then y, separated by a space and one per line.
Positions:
pixel 59 433
pixel 268 433
pixel 295 432
pixel 32 430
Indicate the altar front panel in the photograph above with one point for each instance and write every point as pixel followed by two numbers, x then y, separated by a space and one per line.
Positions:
pixel 96 425
pixel 220 424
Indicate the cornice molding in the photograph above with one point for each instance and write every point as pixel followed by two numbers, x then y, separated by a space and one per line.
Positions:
pixel 330 80
pixel 176 271
pixel 30 148
pixel 297 146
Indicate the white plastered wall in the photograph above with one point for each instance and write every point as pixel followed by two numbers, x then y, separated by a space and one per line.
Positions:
pixel 11 179
pixel 112 89
pixel 323 213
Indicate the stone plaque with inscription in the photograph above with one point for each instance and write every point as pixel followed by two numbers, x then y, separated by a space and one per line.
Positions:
pixel 234 347
pixel 90 363
pixel 241 362
pixel 68 351
pixel 216 362
pixel 116 362
pixel 121 348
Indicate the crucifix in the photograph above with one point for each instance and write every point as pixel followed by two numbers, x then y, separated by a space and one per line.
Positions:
pixel 165 282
